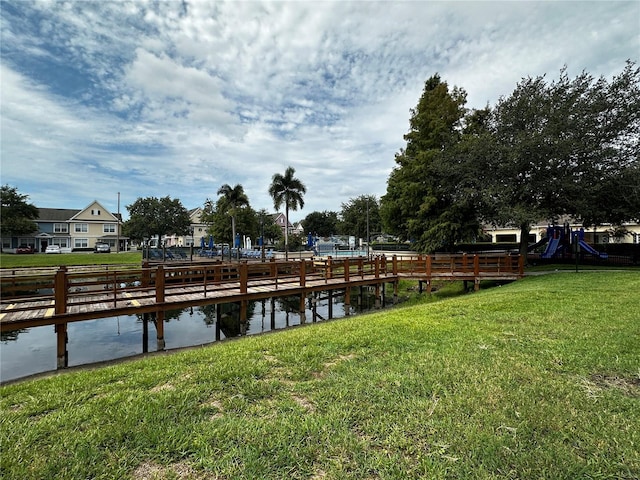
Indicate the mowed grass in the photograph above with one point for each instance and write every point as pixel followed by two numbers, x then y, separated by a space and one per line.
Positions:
pixel 536 379
pixel 9 260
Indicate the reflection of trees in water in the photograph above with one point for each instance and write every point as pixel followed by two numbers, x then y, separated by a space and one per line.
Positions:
pixel 168 315
pixel 288 304
pixel 174 314
pixel 229 317
pixel 11 336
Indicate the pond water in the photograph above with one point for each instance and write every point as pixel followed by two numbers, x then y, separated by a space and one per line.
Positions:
pixel 33 350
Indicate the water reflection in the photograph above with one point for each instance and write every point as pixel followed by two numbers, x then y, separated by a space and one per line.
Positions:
pixel 33 350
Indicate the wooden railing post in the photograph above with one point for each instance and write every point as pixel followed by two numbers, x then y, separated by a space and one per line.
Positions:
pixel 159 284
pixel 303 273
pixel 476 272
pixel 272 267
pixel 394 264
pixel 347 267
pixel 329 267
pixel 61 294
pixel 376 267
pixel 146 274
pixel 521 265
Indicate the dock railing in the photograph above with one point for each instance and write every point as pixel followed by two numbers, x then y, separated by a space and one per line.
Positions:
pixel 75 292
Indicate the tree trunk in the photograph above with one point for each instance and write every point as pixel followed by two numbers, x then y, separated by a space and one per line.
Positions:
pixel 286 231
pixel 233 237
pixel 524 240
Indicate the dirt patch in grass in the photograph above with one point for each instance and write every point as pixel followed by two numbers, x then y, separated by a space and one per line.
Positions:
pixel 181 470
pixel 216 405
pixel 629 386
pixel 328 365
pixel 304 403
pixel 163 387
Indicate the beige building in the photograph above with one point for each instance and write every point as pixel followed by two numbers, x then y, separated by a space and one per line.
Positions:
pixel 94 224
pixel 625 233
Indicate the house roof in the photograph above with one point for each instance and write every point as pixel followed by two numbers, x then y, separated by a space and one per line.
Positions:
pixel 56 214
pixel 275 217
pixel 62 214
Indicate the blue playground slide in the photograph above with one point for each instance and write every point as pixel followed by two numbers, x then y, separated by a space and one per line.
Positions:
pixel 551 248
pixel 589 249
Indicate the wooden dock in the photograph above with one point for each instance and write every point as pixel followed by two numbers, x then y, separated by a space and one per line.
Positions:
pixel 70 294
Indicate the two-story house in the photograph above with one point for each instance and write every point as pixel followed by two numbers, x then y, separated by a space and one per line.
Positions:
pixel 75 230
pixel 95 224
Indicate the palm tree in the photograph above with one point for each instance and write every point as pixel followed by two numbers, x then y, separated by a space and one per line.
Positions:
pixel 288 190
pixel 235 198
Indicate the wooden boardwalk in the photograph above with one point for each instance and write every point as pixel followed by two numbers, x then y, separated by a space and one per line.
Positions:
pixel 71 294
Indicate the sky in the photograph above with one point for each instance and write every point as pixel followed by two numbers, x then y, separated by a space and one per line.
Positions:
pixel 115 100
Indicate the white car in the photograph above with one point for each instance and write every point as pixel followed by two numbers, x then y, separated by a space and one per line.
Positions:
pixel 52 249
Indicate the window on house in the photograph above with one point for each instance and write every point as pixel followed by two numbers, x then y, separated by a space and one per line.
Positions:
pixel 80 243
pixel 60 228
pixel 109 228
pixel 61 242
pixel 95 212
pixel 81 228
pixel 506 237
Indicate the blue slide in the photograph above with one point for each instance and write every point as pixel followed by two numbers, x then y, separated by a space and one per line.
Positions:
pixel 551 248
pixel 589 249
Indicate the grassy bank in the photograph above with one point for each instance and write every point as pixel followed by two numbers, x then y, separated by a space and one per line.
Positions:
pixel 536 379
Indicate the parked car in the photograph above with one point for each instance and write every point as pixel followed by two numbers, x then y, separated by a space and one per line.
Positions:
pixel 52 249
pixel 102 248
pixel 24 249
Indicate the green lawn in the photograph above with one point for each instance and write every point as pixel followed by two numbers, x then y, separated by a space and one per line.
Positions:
pixel 9 260
pixel 536 379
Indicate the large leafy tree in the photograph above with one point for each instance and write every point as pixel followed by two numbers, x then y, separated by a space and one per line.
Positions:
pixel 17 215
pixel 216 216
pixel 422 203
pixel 323 224
pixel 233 200
pixel 268 226
pixel 151 216
pixel 289 191
pixel 360 216
pixel 563 148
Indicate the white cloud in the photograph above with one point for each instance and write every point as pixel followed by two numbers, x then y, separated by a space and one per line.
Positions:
pixel 177 98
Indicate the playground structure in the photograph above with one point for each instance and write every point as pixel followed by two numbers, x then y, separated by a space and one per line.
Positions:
pixel 561 241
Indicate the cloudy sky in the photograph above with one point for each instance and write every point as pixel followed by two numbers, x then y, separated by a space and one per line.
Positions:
pixel 180 97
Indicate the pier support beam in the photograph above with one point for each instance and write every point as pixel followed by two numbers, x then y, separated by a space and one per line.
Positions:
pixel 218 320
pixel 272 307
pixel 302 309
pixel 145 333
pixel 62 339
pixel 160 329
pixel 243 316
pixel 347 302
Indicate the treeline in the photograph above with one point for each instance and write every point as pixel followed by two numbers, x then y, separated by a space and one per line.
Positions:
pixel 549 149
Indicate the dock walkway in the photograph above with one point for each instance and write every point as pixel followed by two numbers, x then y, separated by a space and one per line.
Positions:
pixel 33 298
